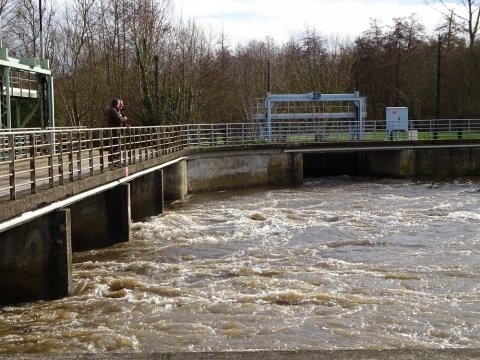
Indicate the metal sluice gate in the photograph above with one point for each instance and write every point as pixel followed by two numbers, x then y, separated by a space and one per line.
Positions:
pixel 344 109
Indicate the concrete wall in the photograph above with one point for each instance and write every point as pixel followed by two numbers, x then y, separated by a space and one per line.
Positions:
pixel 241 169
pixel 447 163
pixel 36 259
pixel 421 163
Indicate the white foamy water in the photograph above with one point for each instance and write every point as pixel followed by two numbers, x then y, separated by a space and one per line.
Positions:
pixel 337 263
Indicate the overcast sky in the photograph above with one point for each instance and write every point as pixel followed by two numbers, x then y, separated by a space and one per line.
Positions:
pixel 243 20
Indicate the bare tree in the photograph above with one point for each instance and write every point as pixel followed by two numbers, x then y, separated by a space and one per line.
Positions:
pixel 468 22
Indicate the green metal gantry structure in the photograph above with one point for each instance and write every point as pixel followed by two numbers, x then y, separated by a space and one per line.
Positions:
pixel 25 82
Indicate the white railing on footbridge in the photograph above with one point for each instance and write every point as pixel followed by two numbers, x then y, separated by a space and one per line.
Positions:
pixel 31 160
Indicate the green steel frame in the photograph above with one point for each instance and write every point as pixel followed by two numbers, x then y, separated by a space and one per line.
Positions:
pixel 29 79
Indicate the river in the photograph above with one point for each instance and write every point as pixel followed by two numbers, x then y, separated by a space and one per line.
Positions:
pixel 338 263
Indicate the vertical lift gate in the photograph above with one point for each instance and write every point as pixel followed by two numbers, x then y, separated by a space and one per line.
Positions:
pixel 355 117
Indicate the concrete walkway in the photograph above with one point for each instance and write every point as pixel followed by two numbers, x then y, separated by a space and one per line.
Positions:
pixel 456 354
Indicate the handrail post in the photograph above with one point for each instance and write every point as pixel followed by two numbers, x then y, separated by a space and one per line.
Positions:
pixel 79 155
pixel 227 134
pixel 90 151
pixel 121 144
pixel 51 152
pixel 13 192
pixel 70 157
pixel 33 175
pixel 111 155
pixel 158 147
pixel 213 135
pixel 60 161
pixel 129 147
pixel 102 152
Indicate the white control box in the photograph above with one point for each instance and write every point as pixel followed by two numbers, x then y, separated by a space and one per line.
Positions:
pixel 397 119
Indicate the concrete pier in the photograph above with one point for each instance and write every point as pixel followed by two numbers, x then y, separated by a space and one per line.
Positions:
pixel 102 220
pixel 400 164
pixel 36 259
pixel 146 196
pixel 175 181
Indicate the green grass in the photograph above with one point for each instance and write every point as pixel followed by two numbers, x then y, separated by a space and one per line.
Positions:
pixel 382 136
pixel 337 137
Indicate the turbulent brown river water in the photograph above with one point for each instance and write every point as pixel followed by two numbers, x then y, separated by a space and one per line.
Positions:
pixel 337 263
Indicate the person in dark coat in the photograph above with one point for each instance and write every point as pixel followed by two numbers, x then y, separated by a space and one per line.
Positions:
pixel 115 118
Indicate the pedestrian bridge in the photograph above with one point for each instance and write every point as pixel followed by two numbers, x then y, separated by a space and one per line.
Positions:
pixel 82 187
pixel 35 160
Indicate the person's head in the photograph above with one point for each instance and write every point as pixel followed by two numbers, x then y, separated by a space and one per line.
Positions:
pixel 116 103
pixel 120 104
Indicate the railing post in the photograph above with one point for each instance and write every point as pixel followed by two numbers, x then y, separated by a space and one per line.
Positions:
pixel 60 161
pixel 33 168
pixel 121 146
pixel 90 151
pixel 79 156
pixel 158 149
pixel 129 146
pixel 140 148
pixel 150 149
pixel 70 157
pixel 51 152
pixel 102 152
pixel 164 141
pixel 147 132
pixel 227 134
pixel 134 145
pixel 13 192
pixel 212 135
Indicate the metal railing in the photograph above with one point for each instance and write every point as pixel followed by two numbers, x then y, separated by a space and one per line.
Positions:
pixel 39 159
